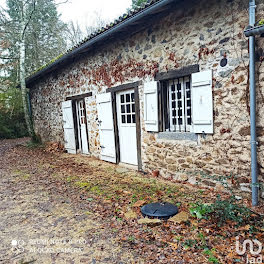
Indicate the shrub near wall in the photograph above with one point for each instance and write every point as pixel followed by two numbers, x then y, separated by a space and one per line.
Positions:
pixel 12 122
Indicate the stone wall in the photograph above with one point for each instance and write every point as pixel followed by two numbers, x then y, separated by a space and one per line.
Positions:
pixel 203 33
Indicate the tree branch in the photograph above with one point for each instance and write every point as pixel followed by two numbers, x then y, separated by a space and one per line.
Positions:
pixel 8 58
pixel 64 2
pixel 30 16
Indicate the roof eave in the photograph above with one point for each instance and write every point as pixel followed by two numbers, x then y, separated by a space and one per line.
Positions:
pixel 141 14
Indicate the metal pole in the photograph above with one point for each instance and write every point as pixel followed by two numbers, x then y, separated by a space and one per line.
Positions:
pixel 254 173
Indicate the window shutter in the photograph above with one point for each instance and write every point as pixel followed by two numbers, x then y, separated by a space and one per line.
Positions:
pixel 202 102
pixel 68 126
pixel 151 106
pixel 106 127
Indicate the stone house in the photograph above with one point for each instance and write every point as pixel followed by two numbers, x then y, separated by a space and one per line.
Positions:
pixel 164 87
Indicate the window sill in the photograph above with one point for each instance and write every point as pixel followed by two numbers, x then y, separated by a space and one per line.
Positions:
pixel 178 136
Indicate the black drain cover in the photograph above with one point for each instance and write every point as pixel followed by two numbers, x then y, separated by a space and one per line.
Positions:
pixel 159 210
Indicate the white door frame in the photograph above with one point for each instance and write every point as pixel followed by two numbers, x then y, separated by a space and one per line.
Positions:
pixel 114 91
pixel 82 126
pixel 127 132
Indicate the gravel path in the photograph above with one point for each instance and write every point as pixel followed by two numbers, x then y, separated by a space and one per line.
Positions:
pixel 37 226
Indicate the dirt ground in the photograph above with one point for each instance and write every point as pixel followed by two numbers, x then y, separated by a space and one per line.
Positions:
pixel 47 227
pixel 62 208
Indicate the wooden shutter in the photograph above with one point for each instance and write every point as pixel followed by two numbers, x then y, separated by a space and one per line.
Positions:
pixel 202 102
pixel 106 127
pixel 68 126
pixel 151 106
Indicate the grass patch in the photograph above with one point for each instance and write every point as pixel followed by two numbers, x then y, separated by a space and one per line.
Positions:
pixel 106 182
pixel 20 174
pixel 83 185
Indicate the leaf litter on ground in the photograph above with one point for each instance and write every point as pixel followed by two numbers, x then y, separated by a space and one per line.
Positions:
pixel 117 198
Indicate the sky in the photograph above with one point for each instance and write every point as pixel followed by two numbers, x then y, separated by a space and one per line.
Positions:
pixel 84 11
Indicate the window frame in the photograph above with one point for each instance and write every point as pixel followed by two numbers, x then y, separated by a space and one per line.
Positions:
pixel 161 78
pixel 165 105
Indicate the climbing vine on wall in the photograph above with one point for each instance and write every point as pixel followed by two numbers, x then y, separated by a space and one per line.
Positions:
pixel 118 72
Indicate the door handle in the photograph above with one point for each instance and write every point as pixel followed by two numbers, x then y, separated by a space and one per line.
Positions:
pixel 102 147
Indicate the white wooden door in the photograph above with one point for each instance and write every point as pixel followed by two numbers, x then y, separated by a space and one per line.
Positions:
pixel 106 127
pixel 126 117
pixel 68 126
pixel 83 127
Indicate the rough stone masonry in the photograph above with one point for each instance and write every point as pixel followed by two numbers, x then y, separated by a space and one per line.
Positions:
pixel 204 33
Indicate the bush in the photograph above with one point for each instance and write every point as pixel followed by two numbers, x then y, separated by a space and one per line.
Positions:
pixel 221 211
pixel 12 121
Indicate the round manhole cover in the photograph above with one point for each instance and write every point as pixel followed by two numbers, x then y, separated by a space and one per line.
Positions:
pixel 159 210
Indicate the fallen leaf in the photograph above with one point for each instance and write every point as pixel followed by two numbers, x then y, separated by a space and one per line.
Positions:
pixel 173 245
pixel 130 215
pixel 246 227
pixel 139 203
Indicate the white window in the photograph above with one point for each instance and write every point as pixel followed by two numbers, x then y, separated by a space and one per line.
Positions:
pixel 176 104
pixel 180 112
pixel 127 105
pixel 182 104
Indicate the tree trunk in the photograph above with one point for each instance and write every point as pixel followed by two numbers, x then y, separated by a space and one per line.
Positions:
pixel 22 74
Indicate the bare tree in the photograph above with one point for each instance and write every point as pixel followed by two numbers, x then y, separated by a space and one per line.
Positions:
pixel 76 33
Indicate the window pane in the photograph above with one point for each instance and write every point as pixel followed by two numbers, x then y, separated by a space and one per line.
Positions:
pixel 133 108
pixel 189 112
pixel 174 121
pixel 173 88
pixel 178 86
pixel 188 102
pixel 179 95
pixel 128 119
pixel 188 94
pixel 174 113
pixel 127 98
pixel 132 97
pixel 179 112
pixel 189 121
pixel 180 121
pixel 179 104
pixel 134 118
pixel 123 109
pixel 122 98
pixel 173 96
pixel 123 119
pixel 187 85
pixel 128 108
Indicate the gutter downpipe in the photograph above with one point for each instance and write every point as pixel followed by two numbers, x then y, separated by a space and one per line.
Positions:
pixel 253 142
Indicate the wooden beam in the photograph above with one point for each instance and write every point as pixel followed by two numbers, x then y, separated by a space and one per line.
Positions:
pixel 117 146
pixel 123 87
pixel 79 96
pixel 177 73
